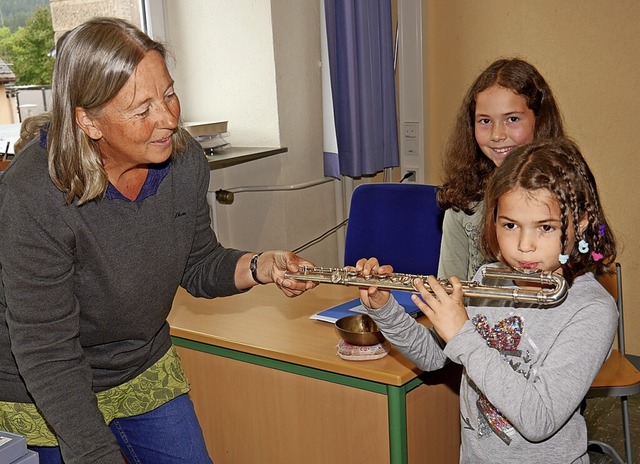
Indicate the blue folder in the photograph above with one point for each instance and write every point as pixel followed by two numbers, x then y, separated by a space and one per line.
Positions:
pixel 354 306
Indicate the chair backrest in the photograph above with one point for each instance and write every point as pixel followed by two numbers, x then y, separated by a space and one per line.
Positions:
pixel 400 224
pixel 613 284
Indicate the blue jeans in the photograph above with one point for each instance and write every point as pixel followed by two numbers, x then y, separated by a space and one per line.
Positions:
pixel 169 434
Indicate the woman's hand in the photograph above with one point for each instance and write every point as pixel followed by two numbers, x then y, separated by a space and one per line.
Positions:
pixel 273 264
pixel 373 297
pixel 446 312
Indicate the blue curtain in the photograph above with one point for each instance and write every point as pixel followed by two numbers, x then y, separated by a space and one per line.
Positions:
pixel 360 48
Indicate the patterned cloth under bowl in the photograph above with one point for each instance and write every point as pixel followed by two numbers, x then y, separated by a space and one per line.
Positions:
pixel 362 353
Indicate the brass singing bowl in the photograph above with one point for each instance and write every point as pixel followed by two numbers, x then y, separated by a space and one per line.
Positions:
pixel 359 329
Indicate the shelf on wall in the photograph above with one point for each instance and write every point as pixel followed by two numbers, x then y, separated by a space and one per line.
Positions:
pixel 232 156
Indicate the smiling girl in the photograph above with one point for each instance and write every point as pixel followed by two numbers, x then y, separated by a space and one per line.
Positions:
pixel 509 104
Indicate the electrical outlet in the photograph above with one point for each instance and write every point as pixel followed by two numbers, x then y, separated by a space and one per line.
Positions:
pixel 411 130
pixel 412 175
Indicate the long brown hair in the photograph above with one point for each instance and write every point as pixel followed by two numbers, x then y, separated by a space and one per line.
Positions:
pixel 558 167
pixel 93 63
pixel 466 168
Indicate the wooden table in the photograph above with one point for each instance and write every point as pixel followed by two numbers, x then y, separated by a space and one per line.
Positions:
pixel 268 386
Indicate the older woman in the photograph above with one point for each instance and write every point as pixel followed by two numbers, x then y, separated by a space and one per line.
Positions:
pixel 103 216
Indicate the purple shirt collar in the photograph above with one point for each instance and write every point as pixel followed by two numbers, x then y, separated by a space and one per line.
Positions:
pixel 155 174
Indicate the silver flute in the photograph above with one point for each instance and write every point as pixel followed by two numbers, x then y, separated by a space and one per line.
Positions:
pixel 553 287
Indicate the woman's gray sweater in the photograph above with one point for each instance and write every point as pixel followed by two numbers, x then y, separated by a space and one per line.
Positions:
pixel 86 290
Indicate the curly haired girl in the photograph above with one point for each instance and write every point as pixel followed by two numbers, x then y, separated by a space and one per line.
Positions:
pixel 526 367
pixel 509 104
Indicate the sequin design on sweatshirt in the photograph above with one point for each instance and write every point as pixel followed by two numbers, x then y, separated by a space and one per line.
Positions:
pixel 505 337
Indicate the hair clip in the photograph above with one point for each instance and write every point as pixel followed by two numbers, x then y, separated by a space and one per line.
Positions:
pixel 583 246
pixel 596 256
pixel 563 259
pixel 601 229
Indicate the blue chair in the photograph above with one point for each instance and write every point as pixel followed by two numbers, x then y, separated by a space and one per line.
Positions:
pixel 400 224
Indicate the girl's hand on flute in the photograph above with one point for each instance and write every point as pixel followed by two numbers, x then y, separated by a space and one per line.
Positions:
pixel 373 297
pixel 446 312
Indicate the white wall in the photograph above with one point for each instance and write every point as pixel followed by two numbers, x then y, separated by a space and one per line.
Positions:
pixel 225 66
pixel 256 63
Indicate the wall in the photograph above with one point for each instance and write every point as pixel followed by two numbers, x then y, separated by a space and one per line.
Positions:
pixel 66 14
pixel 586 51
pixel 257 65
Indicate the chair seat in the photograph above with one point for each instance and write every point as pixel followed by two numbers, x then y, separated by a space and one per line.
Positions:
pixel 617 377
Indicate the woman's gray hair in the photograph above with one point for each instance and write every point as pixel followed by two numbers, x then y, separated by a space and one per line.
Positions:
pixel 93 63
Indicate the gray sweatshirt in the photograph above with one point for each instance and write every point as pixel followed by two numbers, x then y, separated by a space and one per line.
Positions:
pixel 525 371
pixel 459 253
pixel 86 290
